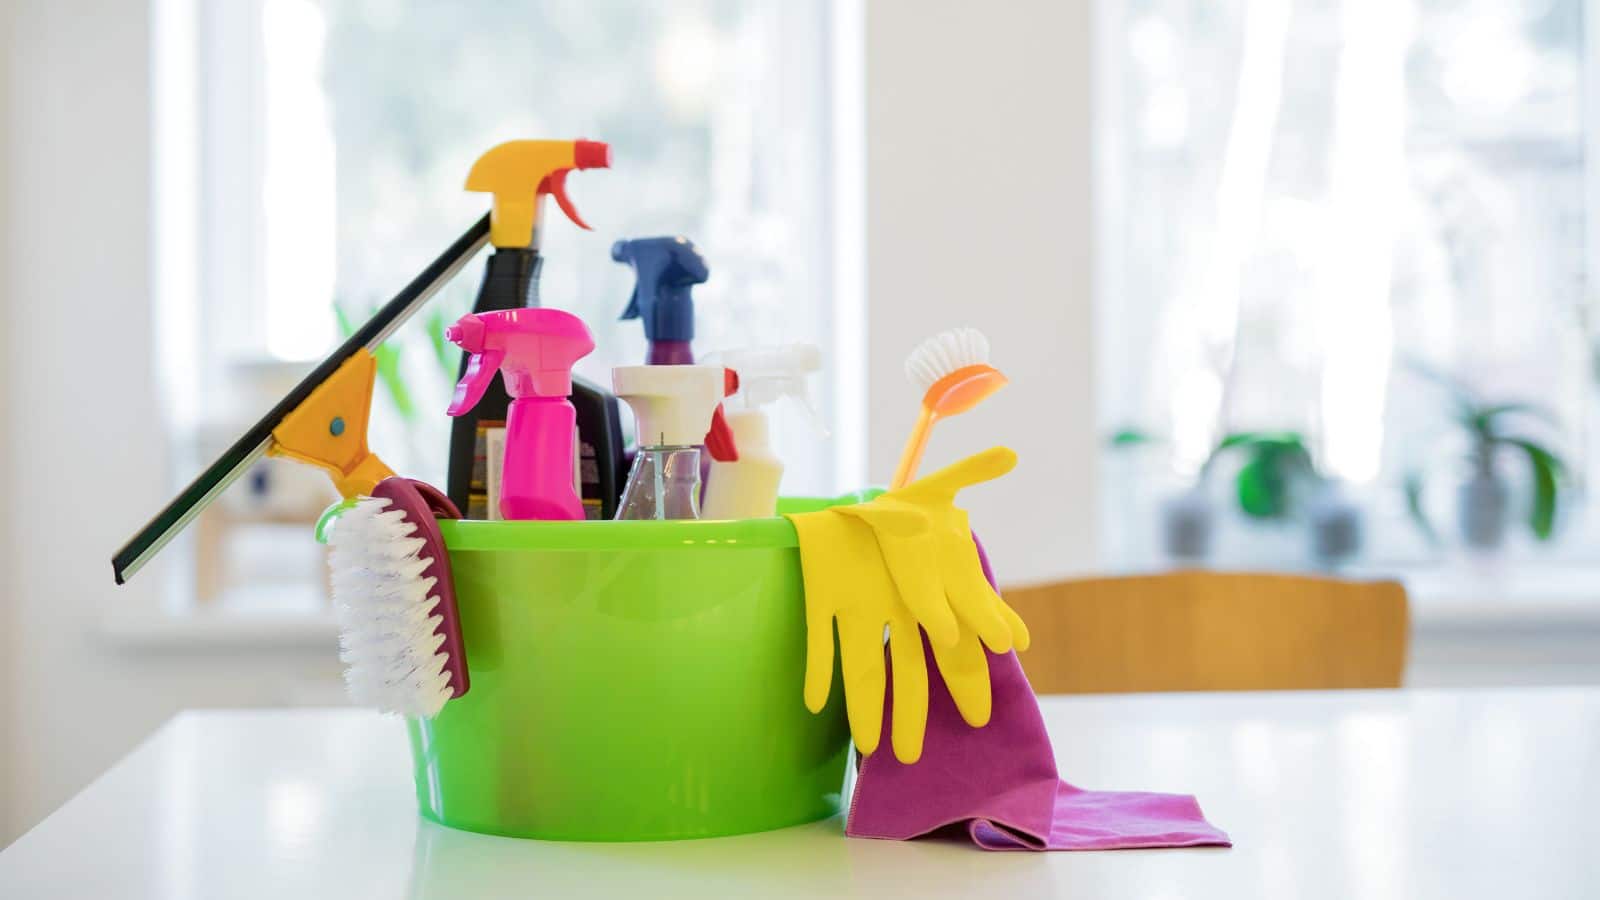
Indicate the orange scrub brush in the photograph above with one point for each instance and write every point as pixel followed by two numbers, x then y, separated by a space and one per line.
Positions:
pixel 953 370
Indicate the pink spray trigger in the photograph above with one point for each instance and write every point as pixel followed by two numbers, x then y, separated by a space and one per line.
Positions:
pixel 480 372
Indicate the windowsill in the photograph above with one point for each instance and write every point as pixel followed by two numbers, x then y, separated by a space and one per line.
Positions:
pixel 1530 613
pixel 222 631
pixel 1466 595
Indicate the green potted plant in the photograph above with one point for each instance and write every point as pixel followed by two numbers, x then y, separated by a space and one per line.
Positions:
pixel 1493 430
pixel 1275 482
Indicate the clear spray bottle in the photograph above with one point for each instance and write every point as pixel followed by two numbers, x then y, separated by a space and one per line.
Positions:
pixel 672 406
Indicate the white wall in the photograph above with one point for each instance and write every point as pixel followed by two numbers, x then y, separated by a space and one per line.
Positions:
pixel 87 455
pixel 7 631
pixel 979 214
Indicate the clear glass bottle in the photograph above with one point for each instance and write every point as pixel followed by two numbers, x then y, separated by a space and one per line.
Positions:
pixel 664 483
pixel 672 408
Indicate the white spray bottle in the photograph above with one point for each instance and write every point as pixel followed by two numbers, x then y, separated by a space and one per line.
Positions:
pixel 748 488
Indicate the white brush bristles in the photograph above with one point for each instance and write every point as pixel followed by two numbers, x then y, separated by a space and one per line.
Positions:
pixel 944 353
pixel 387 637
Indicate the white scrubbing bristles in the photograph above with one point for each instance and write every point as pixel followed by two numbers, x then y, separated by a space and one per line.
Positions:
pixel 952 370
pixel 944 353
pixel 388 633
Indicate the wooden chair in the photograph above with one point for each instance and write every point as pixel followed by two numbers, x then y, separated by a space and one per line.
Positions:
pixel 1205 631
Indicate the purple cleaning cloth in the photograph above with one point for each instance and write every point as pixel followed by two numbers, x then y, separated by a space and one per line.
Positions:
pixel 999 782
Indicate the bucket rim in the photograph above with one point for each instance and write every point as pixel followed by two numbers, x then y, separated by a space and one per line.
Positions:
pixel 707 534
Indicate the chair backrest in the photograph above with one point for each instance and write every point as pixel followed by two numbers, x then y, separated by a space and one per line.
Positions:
pixel 1206 631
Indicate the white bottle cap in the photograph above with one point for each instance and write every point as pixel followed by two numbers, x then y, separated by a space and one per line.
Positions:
pixel 672 404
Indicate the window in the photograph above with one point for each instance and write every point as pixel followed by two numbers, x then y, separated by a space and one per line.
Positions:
pixel 1311 204
pixel 312 159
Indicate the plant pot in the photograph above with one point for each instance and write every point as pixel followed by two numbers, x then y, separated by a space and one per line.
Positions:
pixel 1484 505
pixel 1334 525
pixel 1188 523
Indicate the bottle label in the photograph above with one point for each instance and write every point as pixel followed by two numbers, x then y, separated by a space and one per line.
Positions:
pixel 478 504
pixel 589 479
pixel 495 443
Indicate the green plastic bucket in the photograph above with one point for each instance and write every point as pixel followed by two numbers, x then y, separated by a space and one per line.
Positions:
pixel 630 681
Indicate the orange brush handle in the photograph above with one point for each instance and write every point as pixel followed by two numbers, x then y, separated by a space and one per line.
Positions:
pixel 911 456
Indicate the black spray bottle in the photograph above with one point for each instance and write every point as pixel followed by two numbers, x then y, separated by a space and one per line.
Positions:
pixel 510 281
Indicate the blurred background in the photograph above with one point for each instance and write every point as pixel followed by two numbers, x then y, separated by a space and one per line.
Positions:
pixel 1293 285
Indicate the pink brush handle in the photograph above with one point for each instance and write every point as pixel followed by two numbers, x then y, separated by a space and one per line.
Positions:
pixel 536 480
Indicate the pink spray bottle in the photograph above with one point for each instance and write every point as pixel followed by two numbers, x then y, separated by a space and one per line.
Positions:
pixel 534 349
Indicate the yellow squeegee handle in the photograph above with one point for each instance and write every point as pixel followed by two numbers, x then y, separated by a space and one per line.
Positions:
pixel 329 429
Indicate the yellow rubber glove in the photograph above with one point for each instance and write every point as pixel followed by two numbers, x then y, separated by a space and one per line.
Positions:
pixel 847 583
pixel 939 569
pixel 904 559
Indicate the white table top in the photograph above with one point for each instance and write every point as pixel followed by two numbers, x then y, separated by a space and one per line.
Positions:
pixel 1406 794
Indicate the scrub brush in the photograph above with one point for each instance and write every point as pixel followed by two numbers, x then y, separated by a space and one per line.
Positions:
pixel 952 368
pixel 399 633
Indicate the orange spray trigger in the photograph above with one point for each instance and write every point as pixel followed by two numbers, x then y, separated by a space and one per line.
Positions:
pixel 719 440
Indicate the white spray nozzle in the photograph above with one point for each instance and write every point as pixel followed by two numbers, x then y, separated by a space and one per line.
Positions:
pixel 672 404
pixel 769 374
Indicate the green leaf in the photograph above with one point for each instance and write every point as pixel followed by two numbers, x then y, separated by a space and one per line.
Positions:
pixel 446 353
pixel 1261 438
pixel 1533 409
pixel 1419 515
pixel 1547 469
pixel 1242 439
pixel 346 327
pixel 1266 481
pixel 1255 442
pixel 1236 439
pixel 1484 420
pixel 388 358
pixel 1258 495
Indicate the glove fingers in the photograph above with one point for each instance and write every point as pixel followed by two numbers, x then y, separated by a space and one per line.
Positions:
pixel 819 659
pixel 910 718
pixel 888 518
pixel 821 587
pixel 975 469
pixel 910 553
pixel 861 656
pixel 1020 639
pixel 971 596
pixel 914 566
pixel 965 668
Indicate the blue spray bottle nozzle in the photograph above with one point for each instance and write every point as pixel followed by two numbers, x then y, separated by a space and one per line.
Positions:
pixel 665 268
